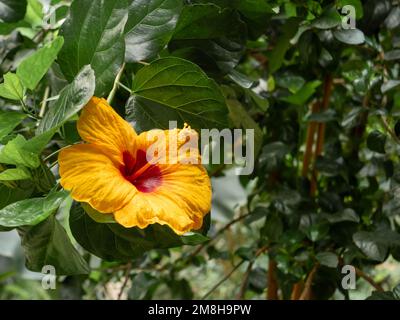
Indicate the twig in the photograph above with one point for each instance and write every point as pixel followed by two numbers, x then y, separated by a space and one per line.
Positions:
pixel 367 278
pixel 307 292
pixel 272 291
pixel 312 127
pixel 124 87
pixel 116 83
pixel 44 102
pixel 328 85
pixel 243 286
pixel 126 275
pixel 259 251
pixel 223 280
pixel 388 129
pixel 219 232
pixel 245 281
pixel 297 290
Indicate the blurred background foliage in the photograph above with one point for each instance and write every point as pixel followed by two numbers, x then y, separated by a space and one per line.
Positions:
pixel 321 91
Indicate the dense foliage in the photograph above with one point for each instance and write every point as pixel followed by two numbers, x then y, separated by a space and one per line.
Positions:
pixel 320 89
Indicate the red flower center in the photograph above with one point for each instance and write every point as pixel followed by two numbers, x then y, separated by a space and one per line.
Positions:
pixel 146 181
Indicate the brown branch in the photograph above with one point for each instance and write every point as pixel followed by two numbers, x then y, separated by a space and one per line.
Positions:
pixel 328 85
pixel 272 292
pixel 223 279
pixel 307 291
pixel 312 127
pixel 245 281
pixel 219 232
pixel 367 278
pixel 126 275
pixel 297 290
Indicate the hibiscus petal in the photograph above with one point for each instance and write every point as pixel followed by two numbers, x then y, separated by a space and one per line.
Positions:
pixel 92 177
pixel 181 201
pixel 101 125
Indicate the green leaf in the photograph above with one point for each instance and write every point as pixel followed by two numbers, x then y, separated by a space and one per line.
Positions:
pixel 305 93
pixel 349 36
pixel 392 21
pixel 240 79
pixel 210 36
pixel 241 119
pixel 33 68
pixel 12 10
pixel 32 211
pixel 277 55
pixel 324 116
pixel 273 228
pixel 355 3
pixel 8 121
pixel 11 88
pixel 14 153
pixel 328 259
pixel 71 100
pixel 375 244
pixel 376 141
pixel 94 34
pixel 48 244
pixel 389 85
pixel 149 28
pixel 7 28
pixel 347 214
pixel 330 19
pixel 392 55
pixel 378 295
pixel 34 13
pixel 20 173
pixel 98 216
pixel 194 238
pixel 39 142
pixel 11 195
pixel 111 241
pixel 175 89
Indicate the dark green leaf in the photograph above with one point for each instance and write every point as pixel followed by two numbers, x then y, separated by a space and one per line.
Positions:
pixel 175 89
pixel 15 174
pixel 8 195
pixel 375 244
pixel 330 19
pixel 48 244
pixel 72 99
pixel 328 259
pixel 302 95
pixel 241 119
pixel 376 141
pixel 324 116
pixel 194 238
pixel 111 241
pixel 392 21
pixel 205 32
pixel 31 211
pixel 94 34
pixel 149 28
pixel 241 79
pixel 349 36
pixel 12 10
pixel 389 85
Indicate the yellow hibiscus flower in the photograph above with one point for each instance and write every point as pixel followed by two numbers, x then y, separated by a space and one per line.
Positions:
pixel 112 173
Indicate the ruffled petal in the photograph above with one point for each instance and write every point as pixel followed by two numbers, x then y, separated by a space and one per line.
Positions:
pixel 181 201
pixel 99 124
pixel 92 177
